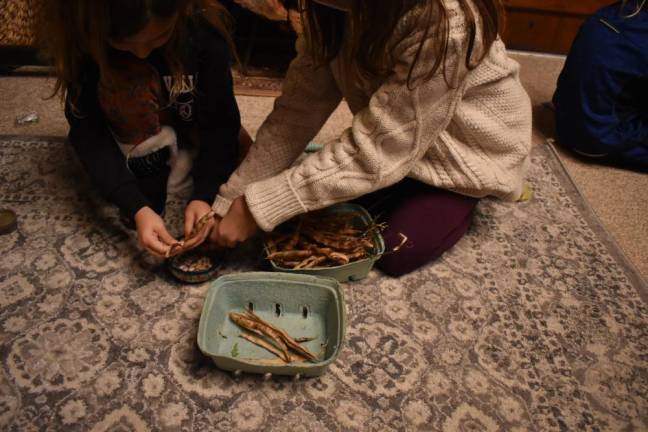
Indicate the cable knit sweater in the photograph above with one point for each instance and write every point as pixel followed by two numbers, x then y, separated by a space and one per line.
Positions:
pixel 472 136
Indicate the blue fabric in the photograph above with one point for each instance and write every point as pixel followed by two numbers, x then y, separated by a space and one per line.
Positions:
pixel 602 95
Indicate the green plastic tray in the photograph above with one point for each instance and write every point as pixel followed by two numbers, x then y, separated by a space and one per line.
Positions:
pixel 356 270
pixel 304 306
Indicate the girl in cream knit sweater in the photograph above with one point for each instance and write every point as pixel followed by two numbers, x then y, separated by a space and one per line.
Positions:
pixel 440 120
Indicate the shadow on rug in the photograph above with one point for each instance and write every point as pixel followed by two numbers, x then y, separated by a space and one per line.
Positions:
pixel 534 321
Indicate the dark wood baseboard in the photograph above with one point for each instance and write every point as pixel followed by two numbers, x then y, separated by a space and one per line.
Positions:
pixel 546 25
pixel 12 57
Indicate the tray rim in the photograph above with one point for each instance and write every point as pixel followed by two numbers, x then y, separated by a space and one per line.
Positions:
pixel 246 365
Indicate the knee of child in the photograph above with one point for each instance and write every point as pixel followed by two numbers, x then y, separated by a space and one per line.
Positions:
pixel 395 265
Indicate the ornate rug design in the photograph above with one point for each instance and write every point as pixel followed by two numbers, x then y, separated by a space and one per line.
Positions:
pixel 534 321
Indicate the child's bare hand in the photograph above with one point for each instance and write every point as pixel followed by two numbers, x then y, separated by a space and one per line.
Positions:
pixel 151 232
pixel 194 211
pixel 237 226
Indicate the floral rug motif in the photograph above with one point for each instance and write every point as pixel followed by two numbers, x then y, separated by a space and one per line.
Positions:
pixel 534 321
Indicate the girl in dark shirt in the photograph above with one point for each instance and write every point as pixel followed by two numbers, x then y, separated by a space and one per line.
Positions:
pixel 146 83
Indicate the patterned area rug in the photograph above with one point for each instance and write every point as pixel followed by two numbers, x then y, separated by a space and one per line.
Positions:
pixel 534 321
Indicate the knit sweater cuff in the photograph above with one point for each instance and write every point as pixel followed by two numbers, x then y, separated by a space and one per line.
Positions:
pixel 273 201
pixel 221 205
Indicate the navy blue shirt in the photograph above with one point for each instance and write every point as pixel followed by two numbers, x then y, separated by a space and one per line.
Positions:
pixel 210 106
pixel 602 95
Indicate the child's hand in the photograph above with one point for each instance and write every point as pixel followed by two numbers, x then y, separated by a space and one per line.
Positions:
pixel 194 211
pixel 151 232
pixel 237 226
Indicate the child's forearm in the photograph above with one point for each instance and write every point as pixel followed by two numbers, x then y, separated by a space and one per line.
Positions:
pixel 107 170
pixel 310 94
pixel 103 161
pixel 218 121
pixel 216 161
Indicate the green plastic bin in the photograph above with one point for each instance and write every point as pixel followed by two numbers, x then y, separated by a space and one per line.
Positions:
pixel 353 271
pixel 304 306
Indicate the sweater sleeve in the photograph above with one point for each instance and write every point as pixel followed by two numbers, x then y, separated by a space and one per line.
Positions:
pixel 386 139
pixel 218 119
pixel 308 98
pixel 98 152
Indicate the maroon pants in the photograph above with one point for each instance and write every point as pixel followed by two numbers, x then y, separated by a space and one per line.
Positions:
pixel 432 219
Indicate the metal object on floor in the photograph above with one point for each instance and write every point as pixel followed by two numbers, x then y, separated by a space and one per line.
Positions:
pixel 27 118
pixel 8 221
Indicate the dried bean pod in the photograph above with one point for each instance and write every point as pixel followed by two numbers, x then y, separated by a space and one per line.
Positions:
pixel 290 254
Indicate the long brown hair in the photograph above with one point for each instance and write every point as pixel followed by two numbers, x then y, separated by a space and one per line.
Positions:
pixel 71 31
pixel 369 27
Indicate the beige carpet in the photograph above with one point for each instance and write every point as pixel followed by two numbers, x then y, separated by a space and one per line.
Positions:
pixel 619 198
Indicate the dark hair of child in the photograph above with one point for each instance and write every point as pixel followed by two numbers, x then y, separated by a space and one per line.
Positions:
pixel 70 31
